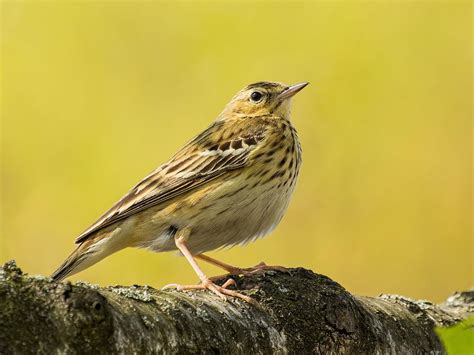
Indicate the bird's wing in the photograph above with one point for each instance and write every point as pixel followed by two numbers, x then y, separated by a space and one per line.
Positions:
pixel 203 159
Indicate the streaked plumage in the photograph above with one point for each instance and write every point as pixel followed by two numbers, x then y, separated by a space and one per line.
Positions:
pixel 229 185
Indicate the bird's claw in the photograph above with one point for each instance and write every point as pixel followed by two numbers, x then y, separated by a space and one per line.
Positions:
pixel 222 291
pixel 260 267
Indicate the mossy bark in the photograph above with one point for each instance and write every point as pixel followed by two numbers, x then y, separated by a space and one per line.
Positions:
pixel 300 312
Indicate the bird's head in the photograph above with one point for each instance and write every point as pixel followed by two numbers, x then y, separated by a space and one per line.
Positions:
pixel 262 98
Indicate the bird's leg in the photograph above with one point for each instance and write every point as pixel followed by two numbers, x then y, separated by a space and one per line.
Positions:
pixel 206 283
pixel 233 270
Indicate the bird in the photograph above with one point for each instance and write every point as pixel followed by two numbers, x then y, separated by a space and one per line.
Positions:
pixel 229 185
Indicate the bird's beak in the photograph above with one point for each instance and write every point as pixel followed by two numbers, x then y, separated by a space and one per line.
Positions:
pixel 291 91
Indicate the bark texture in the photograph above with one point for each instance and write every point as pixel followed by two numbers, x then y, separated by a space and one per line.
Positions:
pixel 300 313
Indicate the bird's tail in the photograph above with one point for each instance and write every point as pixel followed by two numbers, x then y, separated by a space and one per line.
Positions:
pixel 80 259
pixel 85 255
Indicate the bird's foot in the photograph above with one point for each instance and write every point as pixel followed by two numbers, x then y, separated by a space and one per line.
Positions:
pixel 260 267
pixel 249 271
pixel 222 291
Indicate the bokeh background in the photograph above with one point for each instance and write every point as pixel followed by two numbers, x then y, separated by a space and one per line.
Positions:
pixel 95 94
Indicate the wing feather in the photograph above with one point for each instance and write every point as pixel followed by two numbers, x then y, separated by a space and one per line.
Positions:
pixel 199 162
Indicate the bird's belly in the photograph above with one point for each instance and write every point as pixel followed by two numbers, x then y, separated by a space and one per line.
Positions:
pixel 221 215
pixel 238 219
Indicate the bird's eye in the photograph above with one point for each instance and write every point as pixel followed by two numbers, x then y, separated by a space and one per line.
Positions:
pixel 256 96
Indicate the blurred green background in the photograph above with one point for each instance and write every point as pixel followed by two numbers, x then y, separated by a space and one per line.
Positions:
pixel 96 94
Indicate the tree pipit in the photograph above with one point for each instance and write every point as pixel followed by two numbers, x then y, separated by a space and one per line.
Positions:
pixel 229 185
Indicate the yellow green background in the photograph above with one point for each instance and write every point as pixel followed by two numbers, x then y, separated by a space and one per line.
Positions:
pixel 96 94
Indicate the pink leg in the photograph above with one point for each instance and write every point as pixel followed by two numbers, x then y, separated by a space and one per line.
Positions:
pixel 233 270
pixel 206 283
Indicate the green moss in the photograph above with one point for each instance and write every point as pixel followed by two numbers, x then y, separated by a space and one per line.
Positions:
pixel 458 339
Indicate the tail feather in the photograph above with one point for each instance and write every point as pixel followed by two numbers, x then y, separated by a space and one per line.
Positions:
pixel 72 264
pixel 90 252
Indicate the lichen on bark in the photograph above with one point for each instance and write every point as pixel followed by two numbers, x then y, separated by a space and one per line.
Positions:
pixel 300 312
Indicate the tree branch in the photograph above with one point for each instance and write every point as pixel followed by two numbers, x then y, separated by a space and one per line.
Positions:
pixel 300 312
